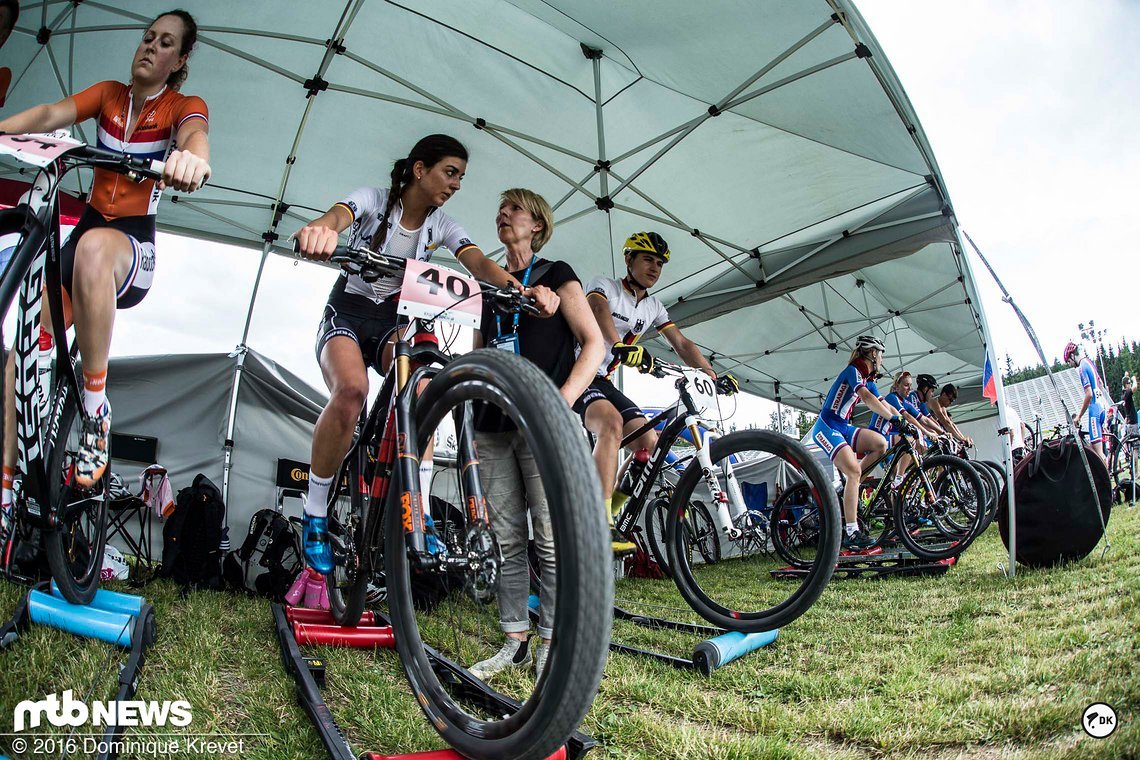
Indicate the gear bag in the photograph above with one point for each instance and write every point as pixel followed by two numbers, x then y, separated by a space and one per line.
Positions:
pixel 269 559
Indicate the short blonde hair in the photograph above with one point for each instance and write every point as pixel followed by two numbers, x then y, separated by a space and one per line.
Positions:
pixel 536 206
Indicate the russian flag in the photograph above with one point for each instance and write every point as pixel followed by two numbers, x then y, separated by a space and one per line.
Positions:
pixel 989 387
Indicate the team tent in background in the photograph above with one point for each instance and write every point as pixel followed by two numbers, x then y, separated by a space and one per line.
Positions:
pixel 771 143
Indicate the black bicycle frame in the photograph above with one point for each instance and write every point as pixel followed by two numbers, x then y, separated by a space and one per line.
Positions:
pixel 672 431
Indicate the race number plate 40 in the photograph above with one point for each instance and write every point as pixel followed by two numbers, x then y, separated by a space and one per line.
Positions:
pixel 431 292
pixel 38 150
pixel 703 390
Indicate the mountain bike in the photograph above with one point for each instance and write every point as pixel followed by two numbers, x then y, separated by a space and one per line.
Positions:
pixel 70 520
pixel 383 541
pixel 719 555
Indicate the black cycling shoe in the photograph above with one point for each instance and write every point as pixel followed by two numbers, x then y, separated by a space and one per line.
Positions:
pixel 857 541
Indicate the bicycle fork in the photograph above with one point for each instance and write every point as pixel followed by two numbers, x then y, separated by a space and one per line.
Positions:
pixel 729 501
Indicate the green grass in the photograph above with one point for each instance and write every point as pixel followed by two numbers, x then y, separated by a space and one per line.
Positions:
pixel 968 664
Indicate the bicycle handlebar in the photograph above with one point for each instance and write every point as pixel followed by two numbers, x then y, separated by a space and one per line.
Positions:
pixel 372 265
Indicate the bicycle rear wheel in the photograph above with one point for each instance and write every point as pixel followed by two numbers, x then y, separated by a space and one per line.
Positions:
pixel 740 593
pixel 75 547
pixel 940 507
pixel 464 627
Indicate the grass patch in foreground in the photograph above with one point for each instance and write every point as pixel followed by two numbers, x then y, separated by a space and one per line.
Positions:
pixel 963 665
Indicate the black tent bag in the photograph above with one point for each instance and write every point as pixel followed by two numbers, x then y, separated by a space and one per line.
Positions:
pixel 1056 514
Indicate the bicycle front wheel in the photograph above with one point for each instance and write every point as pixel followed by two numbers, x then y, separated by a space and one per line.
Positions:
pixel 463 621
pixel 74 548
pixel 740 592
pixel 940 507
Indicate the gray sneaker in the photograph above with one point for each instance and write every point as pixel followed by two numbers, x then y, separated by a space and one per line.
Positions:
pixel 540 653
pixel 514 654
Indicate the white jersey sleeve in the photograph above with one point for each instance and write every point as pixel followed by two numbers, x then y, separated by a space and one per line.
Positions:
pixel 366 204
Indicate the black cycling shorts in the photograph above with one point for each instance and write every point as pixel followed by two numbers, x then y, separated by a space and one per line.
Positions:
pixel 366 322
pixel 602 389
pixel 140 232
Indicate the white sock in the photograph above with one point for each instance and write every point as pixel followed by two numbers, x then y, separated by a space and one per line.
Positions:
pixel 317 503
pixel 896 481
pixel 426 468
pixel 851 528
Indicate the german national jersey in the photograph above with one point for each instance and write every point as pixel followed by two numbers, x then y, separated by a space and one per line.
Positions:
pixel 162 115
pixel 367 204
pixel 632 317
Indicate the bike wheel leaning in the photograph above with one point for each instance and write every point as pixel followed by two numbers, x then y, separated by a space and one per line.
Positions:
pixel 463 626
pixel 740 593
pixel 703 539
pixel 940 507
pixel 74 548
pixel 796 525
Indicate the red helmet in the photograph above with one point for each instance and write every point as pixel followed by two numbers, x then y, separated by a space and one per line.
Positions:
pixel 1071 350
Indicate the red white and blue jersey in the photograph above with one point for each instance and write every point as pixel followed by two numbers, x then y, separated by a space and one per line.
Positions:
pixel 882 424
pixel 1090 382
pixel 841 399
pixel 162 115
pixel 920 406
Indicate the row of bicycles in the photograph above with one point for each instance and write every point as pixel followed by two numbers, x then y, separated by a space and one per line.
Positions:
pixel 701 497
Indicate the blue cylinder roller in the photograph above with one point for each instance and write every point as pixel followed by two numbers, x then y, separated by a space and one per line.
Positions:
pixel 82 620
pixel 110 601
pixel 721 650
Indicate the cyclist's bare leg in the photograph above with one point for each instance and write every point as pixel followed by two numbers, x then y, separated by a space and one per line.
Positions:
pixel 604 421
pixel 848 464
pixel 347 380
pixel 103 261
pixel 647 440
pixel 872 446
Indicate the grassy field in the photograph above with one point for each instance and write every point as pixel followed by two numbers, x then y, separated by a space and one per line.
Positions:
pixel 969 664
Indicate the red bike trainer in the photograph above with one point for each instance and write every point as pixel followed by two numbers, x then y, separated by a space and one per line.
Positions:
pixel 364 637
pixel 306 615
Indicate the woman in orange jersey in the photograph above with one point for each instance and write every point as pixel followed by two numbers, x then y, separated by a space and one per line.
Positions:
pixel 108 262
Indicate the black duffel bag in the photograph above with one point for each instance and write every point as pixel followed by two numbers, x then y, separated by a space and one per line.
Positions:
pixel 1056 514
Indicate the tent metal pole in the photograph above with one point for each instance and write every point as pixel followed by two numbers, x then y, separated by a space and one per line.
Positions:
pixel 596 61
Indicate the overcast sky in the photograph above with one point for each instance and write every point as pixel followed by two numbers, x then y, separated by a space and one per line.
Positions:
pixel 1031 109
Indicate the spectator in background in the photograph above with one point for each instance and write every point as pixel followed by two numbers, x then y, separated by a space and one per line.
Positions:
pixel 1016 431
pixel 1128 408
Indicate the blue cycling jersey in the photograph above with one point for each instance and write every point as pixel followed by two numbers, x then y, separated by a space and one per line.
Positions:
pixel 912 399
pixel 1089 382
pixel 882 424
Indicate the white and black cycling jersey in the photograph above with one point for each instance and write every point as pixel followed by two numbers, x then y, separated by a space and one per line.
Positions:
pixel 632 317
pixel 366 204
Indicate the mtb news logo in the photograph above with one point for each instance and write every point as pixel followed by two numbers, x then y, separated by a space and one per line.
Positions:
pixel 69 711
pixel 1099 720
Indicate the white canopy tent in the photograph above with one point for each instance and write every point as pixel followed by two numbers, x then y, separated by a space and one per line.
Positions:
pixel 770 142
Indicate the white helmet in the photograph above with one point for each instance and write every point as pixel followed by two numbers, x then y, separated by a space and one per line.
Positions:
pixel 869 341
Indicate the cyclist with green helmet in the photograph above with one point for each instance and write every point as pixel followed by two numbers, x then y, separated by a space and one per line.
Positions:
pixel 625 311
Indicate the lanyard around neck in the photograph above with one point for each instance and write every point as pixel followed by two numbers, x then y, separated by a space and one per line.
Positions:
pixel 525 282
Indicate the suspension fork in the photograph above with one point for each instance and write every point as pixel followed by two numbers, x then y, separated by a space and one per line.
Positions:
pixel 729 504
pixel 467 457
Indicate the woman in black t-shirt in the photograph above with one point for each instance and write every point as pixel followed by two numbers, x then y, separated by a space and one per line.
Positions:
pixel 525 223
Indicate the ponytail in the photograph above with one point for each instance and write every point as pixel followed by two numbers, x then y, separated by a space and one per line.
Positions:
pixel 431 150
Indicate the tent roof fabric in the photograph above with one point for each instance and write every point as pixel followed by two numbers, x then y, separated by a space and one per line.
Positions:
pixel 770 143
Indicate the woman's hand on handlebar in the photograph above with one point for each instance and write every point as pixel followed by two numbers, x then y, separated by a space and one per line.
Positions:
pixel 184 171
pixel 315 242
pixel 545 299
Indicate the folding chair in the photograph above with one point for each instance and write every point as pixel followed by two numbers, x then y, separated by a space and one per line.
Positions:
pixel 129 516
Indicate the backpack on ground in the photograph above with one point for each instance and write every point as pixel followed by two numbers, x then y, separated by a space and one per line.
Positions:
pixel 192 536
pixel 269 559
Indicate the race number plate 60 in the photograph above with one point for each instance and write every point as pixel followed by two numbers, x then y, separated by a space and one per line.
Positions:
pixel 38 150
pixel 703 390
pixel 431 292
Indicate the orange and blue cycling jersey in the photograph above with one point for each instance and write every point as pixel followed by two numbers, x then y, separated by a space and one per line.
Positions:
pixel 162 115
